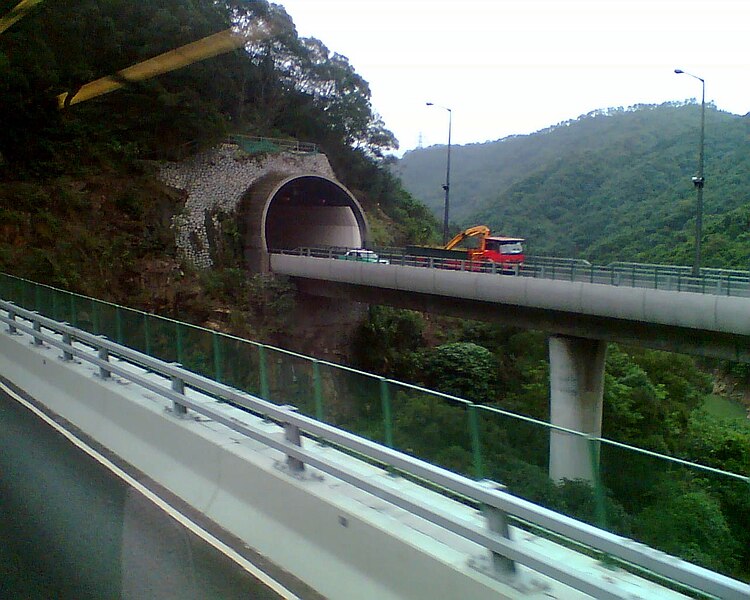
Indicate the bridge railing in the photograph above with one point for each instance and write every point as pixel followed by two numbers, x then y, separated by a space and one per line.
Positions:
pixel 475 440
pixel 721 282
pixel 258 145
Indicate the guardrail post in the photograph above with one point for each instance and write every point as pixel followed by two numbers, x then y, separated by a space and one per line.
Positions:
pixel 292 434
pixel 68 341
pixel 147 333
pixel 12 317
pixel 37 328
pixel 178 337
pixel 95 316
pixel 218 358
pixel 600 512
pixel 104 373
pixel 73 316
pixel 502 567
pixel 476 443
pixel 385 398
pixel 178 385
pixel 118 325
pixel 263 373
pixel 317 390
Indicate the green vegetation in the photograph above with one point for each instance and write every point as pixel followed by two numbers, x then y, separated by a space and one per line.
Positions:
pixel 725 408
pixel 652 400
pixel 610 186
pixel 613 185
pixel 80 209
pixel 78 197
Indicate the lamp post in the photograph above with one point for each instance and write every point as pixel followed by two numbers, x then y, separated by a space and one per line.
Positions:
pixel 447 186
pixel 699 180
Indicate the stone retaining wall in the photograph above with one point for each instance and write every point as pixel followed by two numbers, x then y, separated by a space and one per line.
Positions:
pixel 214 182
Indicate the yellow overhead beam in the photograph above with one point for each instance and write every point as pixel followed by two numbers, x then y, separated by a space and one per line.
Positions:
pixel 17 13
pixel 208 47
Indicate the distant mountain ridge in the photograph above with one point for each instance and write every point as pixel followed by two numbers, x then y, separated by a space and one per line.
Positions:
pixel 611 185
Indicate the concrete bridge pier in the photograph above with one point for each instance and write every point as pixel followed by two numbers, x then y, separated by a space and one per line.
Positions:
pixel 576 401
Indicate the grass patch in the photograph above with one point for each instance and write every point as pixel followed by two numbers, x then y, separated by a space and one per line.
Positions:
pixel 725 408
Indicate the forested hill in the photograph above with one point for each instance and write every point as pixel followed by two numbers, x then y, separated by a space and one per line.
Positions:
pixel 611 185
pixel 79 206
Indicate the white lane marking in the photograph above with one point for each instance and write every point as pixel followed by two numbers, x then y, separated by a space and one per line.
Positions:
pixel 185 521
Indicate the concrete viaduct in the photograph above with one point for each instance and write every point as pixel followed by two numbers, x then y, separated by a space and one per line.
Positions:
pixel 278 210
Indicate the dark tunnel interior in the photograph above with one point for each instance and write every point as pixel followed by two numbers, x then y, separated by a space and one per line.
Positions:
pixel 313 211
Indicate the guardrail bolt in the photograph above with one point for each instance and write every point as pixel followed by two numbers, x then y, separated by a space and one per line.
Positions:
pixel 178 385
pixel 497 522
pixel 292 434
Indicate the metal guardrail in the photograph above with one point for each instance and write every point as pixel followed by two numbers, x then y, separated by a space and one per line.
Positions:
pixel 98 351
pixel 554 260
pixel 255 145
pixel 660 277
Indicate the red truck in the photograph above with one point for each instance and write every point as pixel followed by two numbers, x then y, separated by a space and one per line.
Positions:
pixel 494 253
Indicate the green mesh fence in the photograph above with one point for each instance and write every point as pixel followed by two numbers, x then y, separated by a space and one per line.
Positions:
pixel 697 513
pixel 351 400
pixel 432 427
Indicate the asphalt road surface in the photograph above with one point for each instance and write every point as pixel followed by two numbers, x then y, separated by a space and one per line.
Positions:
pixel 71 528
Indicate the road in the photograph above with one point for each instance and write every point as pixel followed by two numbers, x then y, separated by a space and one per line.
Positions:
pixel 72 527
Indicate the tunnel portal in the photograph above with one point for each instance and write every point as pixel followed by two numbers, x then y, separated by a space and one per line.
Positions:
pixel 283 212
pixel 313 211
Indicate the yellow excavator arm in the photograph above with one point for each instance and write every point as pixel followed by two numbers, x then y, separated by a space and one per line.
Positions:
pixel 207 47
pixel 18 13
pixel 482 230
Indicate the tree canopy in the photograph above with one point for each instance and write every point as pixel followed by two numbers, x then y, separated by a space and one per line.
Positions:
pixel 278 84
pixel 613 185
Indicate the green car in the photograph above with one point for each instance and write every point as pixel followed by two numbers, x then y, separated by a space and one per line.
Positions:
pixel 363 255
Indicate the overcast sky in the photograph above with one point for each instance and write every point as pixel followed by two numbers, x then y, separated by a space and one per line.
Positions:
pixel 516 66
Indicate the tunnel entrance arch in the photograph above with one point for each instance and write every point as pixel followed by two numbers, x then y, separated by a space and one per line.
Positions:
pixel 283 212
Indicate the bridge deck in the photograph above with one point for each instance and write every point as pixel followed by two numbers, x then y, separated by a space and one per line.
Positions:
pixel 702 323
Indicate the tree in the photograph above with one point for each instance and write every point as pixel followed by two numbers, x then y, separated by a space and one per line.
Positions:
pixel 462 369
pixel 386 341
pixel 685 520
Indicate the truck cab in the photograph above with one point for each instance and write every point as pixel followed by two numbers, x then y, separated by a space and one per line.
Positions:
pixel 504 249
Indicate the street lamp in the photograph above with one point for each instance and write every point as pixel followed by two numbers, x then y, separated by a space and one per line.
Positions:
pixel 447 186
pixel 699 180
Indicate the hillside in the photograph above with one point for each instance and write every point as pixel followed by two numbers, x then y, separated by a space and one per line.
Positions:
pixel 80 209
pixel 610 185
pixel 79 205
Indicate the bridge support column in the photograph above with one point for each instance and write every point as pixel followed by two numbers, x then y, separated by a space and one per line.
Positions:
pixel 576 398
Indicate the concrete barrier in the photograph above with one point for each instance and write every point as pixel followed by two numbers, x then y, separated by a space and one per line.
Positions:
pixel 339 540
